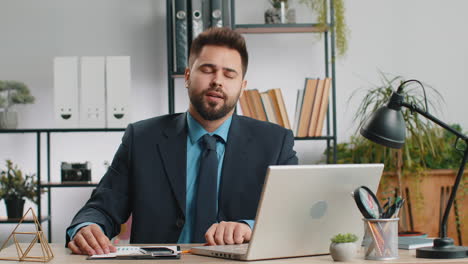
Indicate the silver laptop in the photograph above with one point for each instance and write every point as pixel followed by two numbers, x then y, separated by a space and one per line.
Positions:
pixel 301 208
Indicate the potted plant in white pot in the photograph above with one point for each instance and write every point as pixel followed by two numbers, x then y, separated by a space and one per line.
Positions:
pixel 343 247
pixel 14 187
pixel 11 93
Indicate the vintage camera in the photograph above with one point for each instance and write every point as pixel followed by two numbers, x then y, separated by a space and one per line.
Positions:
pixel 76 172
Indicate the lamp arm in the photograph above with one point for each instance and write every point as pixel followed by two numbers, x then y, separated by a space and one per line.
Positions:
pixel 434 119
pixel 443 224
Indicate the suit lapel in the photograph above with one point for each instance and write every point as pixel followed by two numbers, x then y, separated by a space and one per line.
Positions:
pixel 173 151
pixel 234 155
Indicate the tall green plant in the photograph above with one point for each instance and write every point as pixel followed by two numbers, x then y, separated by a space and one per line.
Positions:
pixel 419 138
pixel 361 150
pixel 341 29
pixel 418 128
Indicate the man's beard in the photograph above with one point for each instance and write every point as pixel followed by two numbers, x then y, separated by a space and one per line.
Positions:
pixel 208 111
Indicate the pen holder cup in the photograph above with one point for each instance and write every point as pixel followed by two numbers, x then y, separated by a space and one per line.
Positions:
pixel 380 239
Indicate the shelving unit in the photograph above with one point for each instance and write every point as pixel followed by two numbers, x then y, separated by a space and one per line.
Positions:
pixel 329 43
pixel 48 184
pixel 6 220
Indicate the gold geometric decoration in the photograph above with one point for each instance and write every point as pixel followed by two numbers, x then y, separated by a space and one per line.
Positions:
pixel 38 236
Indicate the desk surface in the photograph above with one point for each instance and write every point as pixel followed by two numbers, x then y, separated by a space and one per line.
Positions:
pixel 62 255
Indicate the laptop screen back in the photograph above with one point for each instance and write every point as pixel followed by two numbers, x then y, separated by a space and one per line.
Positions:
pixel 303 206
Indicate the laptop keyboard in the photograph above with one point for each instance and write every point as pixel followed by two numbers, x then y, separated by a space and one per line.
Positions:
pixel 235 249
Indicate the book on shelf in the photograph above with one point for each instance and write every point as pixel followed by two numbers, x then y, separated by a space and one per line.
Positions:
pixel 250 104
pixel 315 109
pixel 307 107
pixel 244 104
pixel 275 107
pixel 322 109
pixel 297 115
pixel 280 107
pixel 256 100
pixel 268 106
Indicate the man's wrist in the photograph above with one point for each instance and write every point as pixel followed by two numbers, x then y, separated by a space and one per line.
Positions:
pixel 250 223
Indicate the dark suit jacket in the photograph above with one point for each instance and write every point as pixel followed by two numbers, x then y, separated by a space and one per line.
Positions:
pixel 148 176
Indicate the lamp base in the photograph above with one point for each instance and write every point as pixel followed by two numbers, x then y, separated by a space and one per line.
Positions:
pixel 443 249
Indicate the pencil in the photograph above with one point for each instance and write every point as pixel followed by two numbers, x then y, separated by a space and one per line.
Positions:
pixel 376 239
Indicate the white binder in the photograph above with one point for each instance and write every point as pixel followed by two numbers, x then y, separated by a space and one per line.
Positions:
pixel 118 90
pixel 66 112
pixel 92 93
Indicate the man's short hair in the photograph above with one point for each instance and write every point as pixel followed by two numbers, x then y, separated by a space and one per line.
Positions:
pixel 223 37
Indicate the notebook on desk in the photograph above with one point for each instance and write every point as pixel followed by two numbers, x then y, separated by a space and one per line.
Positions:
pixel 301 208
pixel 141 252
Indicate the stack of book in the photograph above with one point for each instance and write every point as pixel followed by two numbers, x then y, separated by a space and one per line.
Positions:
pixel 266 106
pixel 311 107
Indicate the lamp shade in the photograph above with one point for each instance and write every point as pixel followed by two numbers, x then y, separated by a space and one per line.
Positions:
pixel 385 127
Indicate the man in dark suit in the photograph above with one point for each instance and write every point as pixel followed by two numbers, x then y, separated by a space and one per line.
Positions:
pixel 193 177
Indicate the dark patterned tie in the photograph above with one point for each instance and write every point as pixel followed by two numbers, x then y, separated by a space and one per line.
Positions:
pixel 205 203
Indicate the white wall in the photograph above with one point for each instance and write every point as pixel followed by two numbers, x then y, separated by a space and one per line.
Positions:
pixel 419 39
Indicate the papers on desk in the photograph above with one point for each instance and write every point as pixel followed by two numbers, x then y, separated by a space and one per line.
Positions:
pixel 414 242
pixel 144 252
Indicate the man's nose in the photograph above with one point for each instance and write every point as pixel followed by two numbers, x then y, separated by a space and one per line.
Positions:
pixel 217 80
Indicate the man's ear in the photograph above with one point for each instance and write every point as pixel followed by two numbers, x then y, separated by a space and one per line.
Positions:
pixel 243 86
pixel 187 77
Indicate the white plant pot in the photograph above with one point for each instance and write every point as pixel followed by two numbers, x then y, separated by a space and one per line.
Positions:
pixel 8 120
pixel 343 251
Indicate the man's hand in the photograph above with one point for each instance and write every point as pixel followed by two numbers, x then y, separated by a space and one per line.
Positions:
pixel 228 233
pixel 91 240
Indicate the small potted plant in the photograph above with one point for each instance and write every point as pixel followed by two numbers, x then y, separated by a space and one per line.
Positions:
pixel 280 13
pixel 11 93
pixel 14 187
pixel 343 247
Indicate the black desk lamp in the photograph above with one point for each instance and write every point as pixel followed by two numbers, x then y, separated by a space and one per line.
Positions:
pixel 387 127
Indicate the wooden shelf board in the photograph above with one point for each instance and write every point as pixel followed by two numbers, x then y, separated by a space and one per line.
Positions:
pixel 280 28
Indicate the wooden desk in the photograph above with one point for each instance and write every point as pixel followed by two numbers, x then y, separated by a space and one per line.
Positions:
pixel 62 255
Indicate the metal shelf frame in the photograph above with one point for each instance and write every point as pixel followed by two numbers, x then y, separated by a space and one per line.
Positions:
pixel 5 220
pixel 330 59
pixel 49 185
